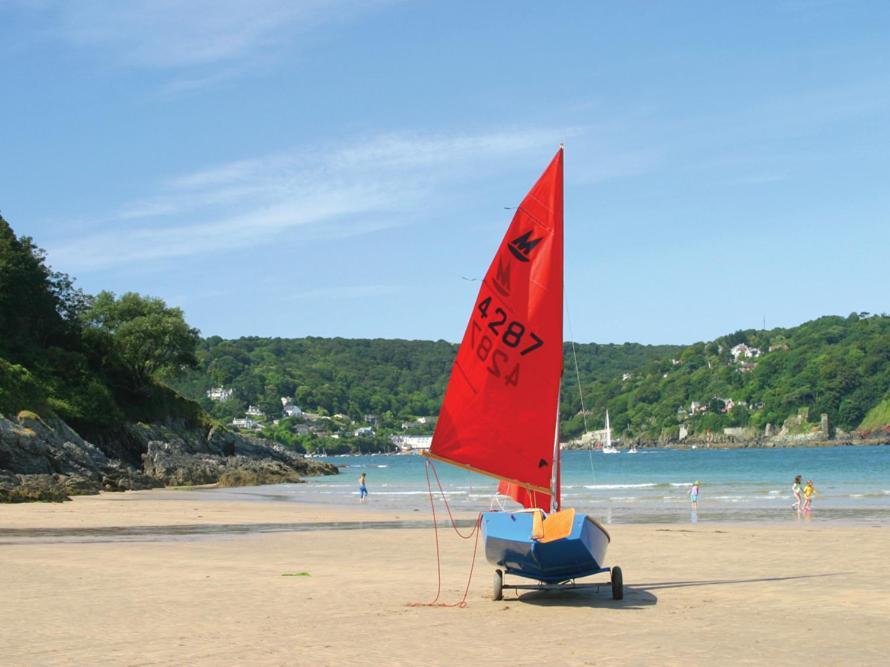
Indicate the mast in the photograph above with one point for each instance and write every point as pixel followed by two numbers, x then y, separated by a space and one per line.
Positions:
pixel 555 491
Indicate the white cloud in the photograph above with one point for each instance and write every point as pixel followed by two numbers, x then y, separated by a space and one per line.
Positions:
pixel 175 34
pixel 323 192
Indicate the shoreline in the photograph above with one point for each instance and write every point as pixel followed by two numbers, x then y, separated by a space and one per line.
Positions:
pixel 759 443
pixel 185 512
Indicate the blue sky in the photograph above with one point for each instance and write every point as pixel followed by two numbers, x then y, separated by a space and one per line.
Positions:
pixel 282 168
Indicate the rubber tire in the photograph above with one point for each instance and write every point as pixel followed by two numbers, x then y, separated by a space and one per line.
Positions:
pixel 498 589
pixel 617 584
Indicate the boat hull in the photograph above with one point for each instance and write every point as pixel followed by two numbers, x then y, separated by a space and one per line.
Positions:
pixel 508 545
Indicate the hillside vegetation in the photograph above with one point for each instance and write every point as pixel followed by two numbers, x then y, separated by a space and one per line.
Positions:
pixel 833 365
pixel 95 362
pixel 391 379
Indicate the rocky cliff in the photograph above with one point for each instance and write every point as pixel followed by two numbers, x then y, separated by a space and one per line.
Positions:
pixel 44 459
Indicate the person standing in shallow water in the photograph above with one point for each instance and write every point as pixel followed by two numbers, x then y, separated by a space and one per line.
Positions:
pixel 362 488
pixel 693 493
pixel 795 489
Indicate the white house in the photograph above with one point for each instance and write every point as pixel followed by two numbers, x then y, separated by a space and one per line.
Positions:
pixel 220 394
pixel 742 351
pixel 245 422
pixel 364 430
pixel 254 411
pixel 291 410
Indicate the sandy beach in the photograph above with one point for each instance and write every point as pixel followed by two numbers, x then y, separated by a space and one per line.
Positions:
pixel 76 592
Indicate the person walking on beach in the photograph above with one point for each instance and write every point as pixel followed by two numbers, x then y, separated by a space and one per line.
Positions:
pixel 795 489
pixel 808 492
pixel 362 489
pixel 693 493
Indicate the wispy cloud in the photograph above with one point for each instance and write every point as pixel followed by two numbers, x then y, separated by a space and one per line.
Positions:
pixel 323 192
pixel 170 33
pixel 198 43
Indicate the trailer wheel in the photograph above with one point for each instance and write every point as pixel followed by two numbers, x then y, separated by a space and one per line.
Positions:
pixel 617 584
pixel 498 589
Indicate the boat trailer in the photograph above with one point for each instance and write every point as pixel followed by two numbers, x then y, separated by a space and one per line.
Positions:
pixel 615 576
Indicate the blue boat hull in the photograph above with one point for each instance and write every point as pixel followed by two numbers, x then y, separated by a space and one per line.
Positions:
pixel 508 545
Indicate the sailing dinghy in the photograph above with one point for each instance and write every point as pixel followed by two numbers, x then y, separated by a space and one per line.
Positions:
pixel 500 416
pixel 608 447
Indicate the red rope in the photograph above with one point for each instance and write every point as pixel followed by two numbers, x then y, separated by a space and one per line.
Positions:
pixel 447 507
pixel 475 531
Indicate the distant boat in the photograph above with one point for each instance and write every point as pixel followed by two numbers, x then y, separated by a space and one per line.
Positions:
pixel 500 415
pixel 632 450
pixel 608 447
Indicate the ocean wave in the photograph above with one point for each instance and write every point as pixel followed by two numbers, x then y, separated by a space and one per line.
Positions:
pixel 594 487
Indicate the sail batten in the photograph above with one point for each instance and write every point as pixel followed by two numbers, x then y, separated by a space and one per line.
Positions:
pixel 497 417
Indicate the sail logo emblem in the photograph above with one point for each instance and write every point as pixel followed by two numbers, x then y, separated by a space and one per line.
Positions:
pixel 502 277
pixel 522 246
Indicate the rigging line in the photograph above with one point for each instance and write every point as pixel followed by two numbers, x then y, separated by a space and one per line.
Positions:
pixel 448 507
pixel 476 529
pixel 578 379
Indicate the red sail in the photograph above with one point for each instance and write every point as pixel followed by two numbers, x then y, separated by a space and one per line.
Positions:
pixel 500 410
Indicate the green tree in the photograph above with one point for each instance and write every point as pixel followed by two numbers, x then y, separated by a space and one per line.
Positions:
pixel 149 338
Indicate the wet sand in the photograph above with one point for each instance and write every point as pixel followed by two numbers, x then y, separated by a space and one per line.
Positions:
pixel 188 591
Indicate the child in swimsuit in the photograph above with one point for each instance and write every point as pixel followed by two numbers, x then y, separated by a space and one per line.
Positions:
pixel 795 489
pixel 693 492
pixel 808 492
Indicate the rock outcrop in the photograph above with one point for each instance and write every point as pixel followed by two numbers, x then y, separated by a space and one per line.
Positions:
pixel 44 459
pixel 179 458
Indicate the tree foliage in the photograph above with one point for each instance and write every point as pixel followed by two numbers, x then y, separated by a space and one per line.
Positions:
pixel 151 339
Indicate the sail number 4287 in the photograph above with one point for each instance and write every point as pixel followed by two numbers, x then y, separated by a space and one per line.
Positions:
pixel 510 333
pixel 514 331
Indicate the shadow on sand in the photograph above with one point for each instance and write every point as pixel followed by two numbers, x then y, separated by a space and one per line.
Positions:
pixel 637 596
pixel 726 582
pixel 600 596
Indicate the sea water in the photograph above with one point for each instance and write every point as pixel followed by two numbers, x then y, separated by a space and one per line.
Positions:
pixel 652 485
